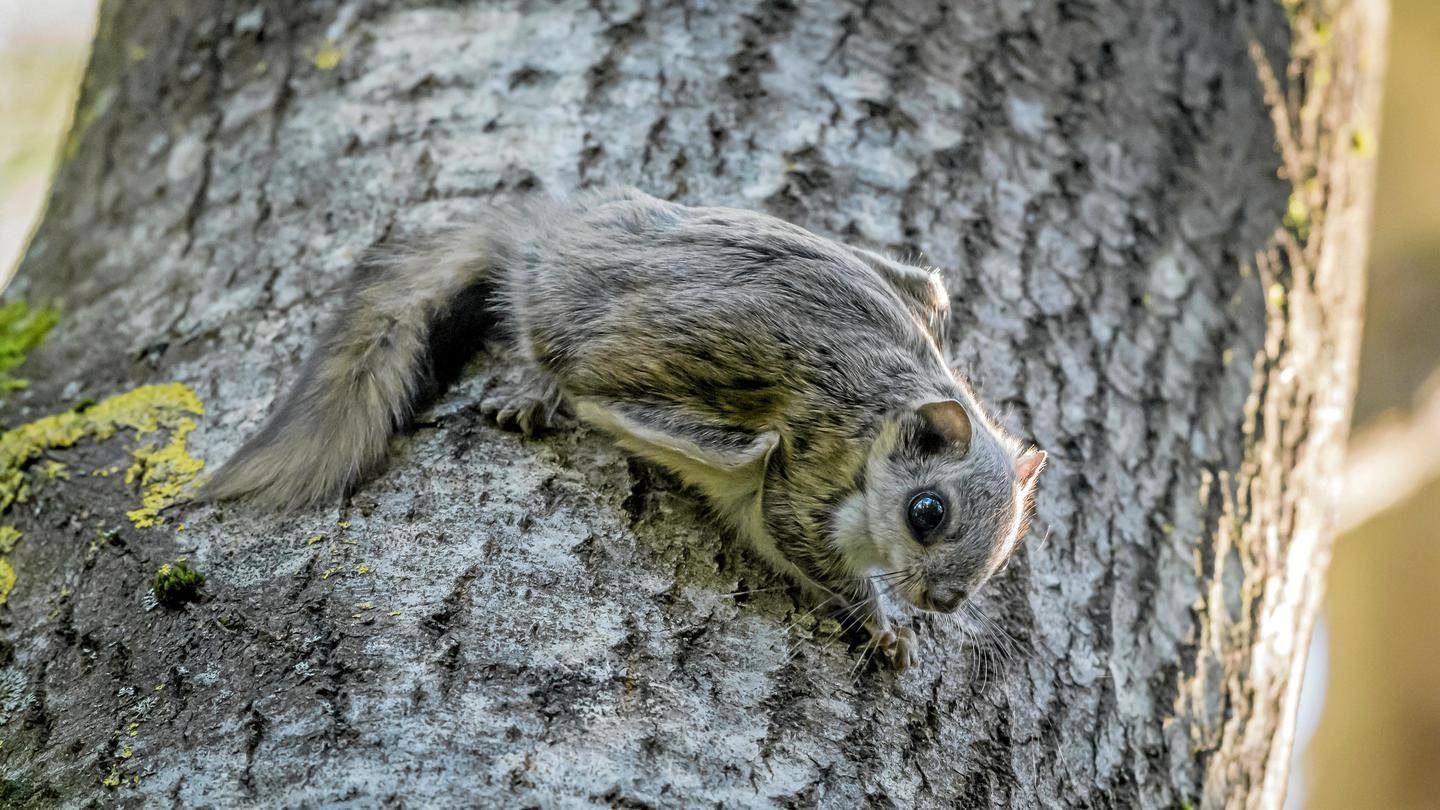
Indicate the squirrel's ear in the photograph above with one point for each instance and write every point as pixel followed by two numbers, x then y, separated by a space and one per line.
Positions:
pixel 947 426
pixel 1029 465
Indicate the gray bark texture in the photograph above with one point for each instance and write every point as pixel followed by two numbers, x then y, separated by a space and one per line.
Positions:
pixel 1152 216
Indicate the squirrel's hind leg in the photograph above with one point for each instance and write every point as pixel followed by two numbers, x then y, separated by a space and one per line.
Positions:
pixel 528 406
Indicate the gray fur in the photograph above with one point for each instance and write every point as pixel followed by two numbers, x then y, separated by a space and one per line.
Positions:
pixel 780 373
pixel 364 379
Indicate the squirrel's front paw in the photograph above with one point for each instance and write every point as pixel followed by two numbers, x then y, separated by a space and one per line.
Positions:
pixel 528 407
pixel 900 645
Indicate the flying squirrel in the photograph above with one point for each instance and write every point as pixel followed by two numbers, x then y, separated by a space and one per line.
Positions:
pixel 799 383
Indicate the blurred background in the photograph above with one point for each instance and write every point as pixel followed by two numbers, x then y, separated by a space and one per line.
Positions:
pixel 1369 731
pixel 1374 703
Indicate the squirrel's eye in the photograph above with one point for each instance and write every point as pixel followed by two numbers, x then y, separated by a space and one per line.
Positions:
pixel 926 513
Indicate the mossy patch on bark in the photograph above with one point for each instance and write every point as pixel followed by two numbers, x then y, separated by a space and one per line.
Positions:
pixel 22 328
pixel 176 583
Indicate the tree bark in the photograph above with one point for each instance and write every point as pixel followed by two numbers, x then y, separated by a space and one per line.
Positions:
pixel 1152 219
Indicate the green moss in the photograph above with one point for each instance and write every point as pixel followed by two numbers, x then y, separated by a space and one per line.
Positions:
pixel 22 328
pixel 177 583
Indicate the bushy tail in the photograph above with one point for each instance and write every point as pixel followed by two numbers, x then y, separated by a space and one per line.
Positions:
pixel 410 319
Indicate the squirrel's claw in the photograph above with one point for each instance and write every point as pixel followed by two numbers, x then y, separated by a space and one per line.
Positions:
pixel 900 645
pixel 529 407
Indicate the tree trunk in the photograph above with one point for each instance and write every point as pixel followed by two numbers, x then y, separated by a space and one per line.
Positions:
pixel 1152 219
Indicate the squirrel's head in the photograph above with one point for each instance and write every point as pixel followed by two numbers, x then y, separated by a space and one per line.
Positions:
pixel 946 501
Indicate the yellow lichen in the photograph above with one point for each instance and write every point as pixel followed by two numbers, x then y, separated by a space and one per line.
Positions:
pixel 1276 295
pixel 7 580
pixel 145 410
pixel 163 473
pixel 328 55
pixel 9 536
pixel 1297 215
pixel 1362 142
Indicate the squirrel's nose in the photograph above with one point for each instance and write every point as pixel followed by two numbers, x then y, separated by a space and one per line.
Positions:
pixel 943 599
